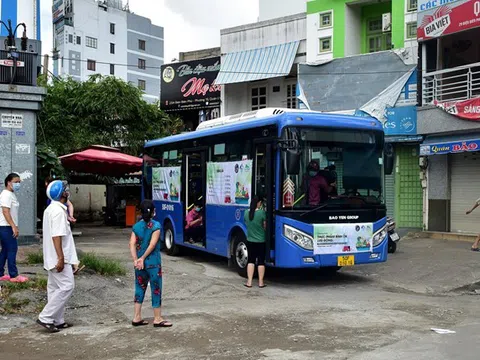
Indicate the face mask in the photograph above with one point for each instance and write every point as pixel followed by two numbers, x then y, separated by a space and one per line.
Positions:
pixel 198 209
pixel 16 187
pixel 312 173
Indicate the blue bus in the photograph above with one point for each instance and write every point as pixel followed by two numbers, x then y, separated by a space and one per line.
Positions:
pixel 221 165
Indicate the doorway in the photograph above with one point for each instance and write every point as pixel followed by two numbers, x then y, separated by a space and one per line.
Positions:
pixel 194 198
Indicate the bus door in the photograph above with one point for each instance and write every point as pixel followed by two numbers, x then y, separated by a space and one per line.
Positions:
pixel 264 182
pixel 193 196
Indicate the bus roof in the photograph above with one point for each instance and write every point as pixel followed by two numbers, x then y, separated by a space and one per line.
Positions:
pixel 271 116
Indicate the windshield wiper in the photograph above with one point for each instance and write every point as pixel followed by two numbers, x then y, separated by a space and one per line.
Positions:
pixel 315 209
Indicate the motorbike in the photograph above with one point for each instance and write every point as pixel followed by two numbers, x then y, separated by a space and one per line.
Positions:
pixel 393 237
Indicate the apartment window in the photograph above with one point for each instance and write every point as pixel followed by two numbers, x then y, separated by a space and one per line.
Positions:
pixel 325 44
pixel 91 42
pixel 79 40
pixel 377 40
pixel 70 38
pixel 259 98
pixel 112 28
pixel 326 19
pixel 412 30
pixel 112 48
pixel 412 5
pixel 91 65
pixel 142 64
pixel 142 84
pixel 292 96
pixel 112 69
pixel 142 45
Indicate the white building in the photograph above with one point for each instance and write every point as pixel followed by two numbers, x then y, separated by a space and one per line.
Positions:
pixel 103 37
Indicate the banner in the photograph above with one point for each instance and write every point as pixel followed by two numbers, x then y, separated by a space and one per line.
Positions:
pixel 166 184
pixel 466 109
pixel 342 238
pixel 450 147
pixel 190 85
pixel 443 17
pixel 229 183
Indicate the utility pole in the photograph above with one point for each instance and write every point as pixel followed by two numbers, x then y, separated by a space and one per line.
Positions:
pixel 46 58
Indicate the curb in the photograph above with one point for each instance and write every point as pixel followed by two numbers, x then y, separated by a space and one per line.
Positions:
pixel 447 236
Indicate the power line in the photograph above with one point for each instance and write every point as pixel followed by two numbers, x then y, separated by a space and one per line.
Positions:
pixel 242 72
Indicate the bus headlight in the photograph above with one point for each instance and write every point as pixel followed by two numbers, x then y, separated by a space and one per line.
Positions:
pixel 379 236
pixel 298 237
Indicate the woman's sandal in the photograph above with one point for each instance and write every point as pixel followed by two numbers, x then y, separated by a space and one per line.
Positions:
pixel 164 323
pixel 140 323
pixel 50 327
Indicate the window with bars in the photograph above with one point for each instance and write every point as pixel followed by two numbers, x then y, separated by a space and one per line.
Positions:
pixel 412 30
pixel 70 38
pixel 325 44
pixel 142 84
pixel 112 69
pixel 79 40
pixel 112 28
pixel 91 42
pixel 412 5
pixel 142 64
pixel 291 96
pixel 142 45
pixel 259 97
pixel 91 65
pixel 326 19
pixel 112 48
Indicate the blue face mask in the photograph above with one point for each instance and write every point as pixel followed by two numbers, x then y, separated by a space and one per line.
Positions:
pixel 16 187
pixel 312 173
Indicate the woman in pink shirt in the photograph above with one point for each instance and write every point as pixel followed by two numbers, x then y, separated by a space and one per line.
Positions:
pixel 194 219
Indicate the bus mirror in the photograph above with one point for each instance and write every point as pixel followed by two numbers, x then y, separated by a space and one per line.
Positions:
pixel 388 159
pixel 293 162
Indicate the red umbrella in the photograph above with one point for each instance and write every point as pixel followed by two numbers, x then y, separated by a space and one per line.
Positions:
pixel 101 160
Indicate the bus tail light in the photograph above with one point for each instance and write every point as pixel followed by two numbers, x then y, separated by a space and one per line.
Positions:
pixel 303 240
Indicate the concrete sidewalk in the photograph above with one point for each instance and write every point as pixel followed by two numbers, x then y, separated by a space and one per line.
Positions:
pixel 427 266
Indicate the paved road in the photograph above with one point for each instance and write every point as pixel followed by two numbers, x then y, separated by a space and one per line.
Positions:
pixel 375 312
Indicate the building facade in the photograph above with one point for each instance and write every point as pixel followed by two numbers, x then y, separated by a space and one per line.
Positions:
pixel 339 28
pixel 103 37
pixel 259 64
pixel 449 112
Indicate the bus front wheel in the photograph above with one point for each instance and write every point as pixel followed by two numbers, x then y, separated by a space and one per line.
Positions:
pixel 170 247
pixel 240 254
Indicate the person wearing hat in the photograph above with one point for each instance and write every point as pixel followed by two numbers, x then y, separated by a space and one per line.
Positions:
pixel 315 185
pixel 60 257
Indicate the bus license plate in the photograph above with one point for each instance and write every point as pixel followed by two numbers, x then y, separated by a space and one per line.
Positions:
pixel 346 260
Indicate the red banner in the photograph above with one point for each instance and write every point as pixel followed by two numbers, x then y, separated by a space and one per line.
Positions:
pixel 467 109
pixel 448 19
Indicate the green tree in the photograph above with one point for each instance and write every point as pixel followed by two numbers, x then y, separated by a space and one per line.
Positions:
pixel 100 111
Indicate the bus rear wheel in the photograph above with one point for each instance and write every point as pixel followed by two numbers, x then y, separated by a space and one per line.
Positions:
pixel 240 254
pixel 170 247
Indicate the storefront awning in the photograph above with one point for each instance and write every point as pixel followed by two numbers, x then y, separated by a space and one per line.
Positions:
pixel 257 64
pixel 450 144
pixel 102 160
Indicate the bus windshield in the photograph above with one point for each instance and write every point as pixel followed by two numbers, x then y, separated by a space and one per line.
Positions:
pixel 337 168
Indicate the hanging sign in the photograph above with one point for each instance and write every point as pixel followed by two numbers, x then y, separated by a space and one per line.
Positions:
pixel 166 183
pixel 466 109
pixel 229 183
pixel 450 147
pixel 342 238
pixel 288 193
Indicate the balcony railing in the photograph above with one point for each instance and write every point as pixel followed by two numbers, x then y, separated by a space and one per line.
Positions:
pixel 460 83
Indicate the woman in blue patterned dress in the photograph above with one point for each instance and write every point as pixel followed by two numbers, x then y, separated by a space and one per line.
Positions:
pixel 145 250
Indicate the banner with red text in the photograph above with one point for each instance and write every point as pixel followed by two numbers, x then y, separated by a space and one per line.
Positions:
pixel 466 109
pixel 190 85
pixel 443 17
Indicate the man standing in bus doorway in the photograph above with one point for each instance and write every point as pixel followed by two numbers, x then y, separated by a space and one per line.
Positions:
pixel 477 240
pixel 315 185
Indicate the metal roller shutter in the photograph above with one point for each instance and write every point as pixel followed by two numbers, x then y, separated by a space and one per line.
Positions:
pixel 465 189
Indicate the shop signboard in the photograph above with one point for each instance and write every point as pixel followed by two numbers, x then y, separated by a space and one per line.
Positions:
pixel 58 10
pixel 443 17
pixel 401 121
pixel 465 109
pixel 190 85
pixel 450 147
pixel 342 238
pixel 229 183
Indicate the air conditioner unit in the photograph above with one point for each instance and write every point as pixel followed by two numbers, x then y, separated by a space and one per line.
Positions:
pixel 387 22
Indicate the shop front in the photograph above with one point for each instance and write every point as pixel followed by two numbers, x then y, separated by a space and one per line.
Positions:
pixel 453 181
pixel 189 90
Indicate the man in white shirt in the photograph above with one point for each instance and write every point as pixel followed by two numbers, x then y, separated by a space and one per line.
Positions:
pixel 60 257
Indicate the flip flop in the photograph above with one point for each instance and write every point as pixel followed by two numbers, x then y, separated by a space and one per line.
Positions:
pixel 475 249
pixel 262 286
pixel 140 323
pixel 19 279
pixel 247 286
pixel 64 326
pixel 78 270
pixel 164 323
pixel 50 327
